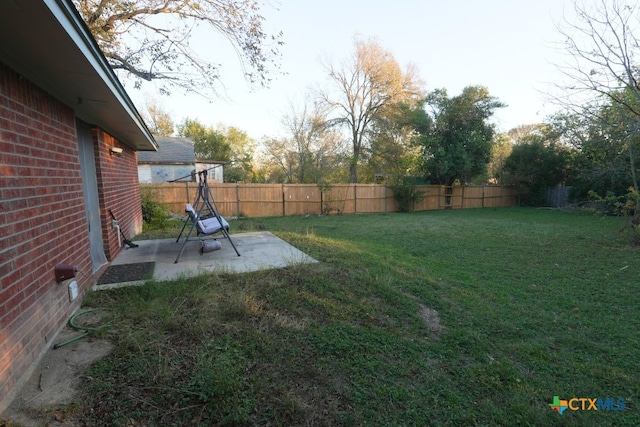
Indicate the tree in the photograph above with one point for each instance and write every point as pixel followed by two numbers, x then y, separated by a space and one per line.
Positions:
pixel 395 140
pixel 312 150
pixel 281 160
pixel 367 85
pixel 604 49
pixel 457 145
pixel 502 146
pixel 538 160
pixel 158 120
pixel 604 141
pixel 208 143
pixel 240 167
pixel 500 151
pixel 224 143
pixel 150 39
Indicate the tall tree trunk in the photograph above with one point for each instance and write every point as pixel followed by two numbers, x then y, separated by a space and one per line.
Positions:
pixel 353 173
pixel 353 164
pixel 632 161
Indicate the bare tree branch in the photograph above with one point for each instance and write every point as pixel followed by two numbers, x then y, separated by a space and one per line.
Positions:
pixel 134 40
pixel 603 49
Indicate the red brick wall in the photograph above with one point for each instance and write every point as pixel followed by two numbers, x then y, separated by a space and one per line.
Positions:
pixel 43 221
pixel 118 190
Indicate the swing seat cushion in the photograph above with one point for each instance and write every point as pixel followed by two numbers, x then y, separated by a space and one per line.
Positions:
pixel 211 225
pixel 208 225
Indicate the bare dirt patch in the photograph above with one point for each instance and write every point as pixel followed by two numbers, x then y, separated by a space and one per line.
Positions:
pixel 55 381
pixel 432 321
pixel 430 318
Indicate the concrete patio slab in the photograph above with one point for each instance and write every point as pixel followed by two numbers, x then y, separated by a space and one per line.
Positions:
pixel 258 251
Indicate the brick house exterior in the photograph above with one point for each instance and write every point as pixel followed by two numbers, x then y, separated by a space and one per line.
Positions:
pixel 58 176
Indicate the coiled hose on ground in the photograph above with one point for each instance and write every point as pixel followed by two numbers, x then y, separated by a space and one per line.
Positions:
pixel 85 329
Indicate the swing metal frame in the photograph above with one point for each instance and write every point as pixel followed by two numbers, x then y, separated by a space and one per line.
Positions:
pixel 205 209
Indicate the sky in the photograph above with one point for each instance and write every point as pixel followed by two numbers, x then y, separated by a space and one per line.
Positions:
pixel 509 46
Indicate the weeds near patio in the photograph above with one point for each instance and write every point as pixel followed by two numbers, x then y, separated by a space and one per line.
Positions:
pixel 476 317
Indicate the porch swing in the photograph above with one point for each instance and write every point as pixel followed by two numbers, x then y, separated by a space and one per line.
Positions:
pixel 204 217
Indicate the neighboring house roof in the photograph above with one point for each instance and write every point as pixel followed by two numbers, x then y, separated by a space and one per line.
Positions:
pixel 176 151
pixel 69 65
pixel 173 151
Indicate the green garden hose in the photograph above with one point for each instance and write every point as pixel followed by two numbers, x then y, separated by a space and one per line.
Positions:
pixel 85 329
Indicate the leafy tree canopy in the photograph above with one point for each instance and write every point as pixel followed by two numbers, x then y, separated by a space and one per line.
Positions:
pixel 395 141
pixel 536 162
pixel 208 143
pixel 240 167
pixel 226 144
pixel 607 138
pixel 457 145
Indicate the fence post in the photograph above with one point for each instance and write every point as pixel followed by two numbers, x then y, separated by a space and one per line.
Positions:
pixel 385 198
pixel 284 203
pixel 355 198
pixel 238 199
pixel 462 197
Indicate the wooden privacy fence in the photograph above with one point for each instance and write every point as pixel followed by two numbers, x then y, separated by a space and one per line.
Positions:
pixel 261 200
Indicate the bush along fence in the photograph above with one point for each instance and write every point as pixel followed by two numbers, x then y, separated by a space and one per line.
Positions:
pixel 262 200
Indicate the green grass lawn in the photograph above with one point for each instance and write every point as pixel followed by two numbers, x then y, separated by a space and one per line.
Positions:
pixel 470 317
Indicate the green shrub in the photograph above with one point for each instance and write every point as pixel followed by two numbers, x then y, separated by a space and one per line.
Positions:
pixel 611 204
pixel 626 205
pixel 154 215
pixel 407 195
